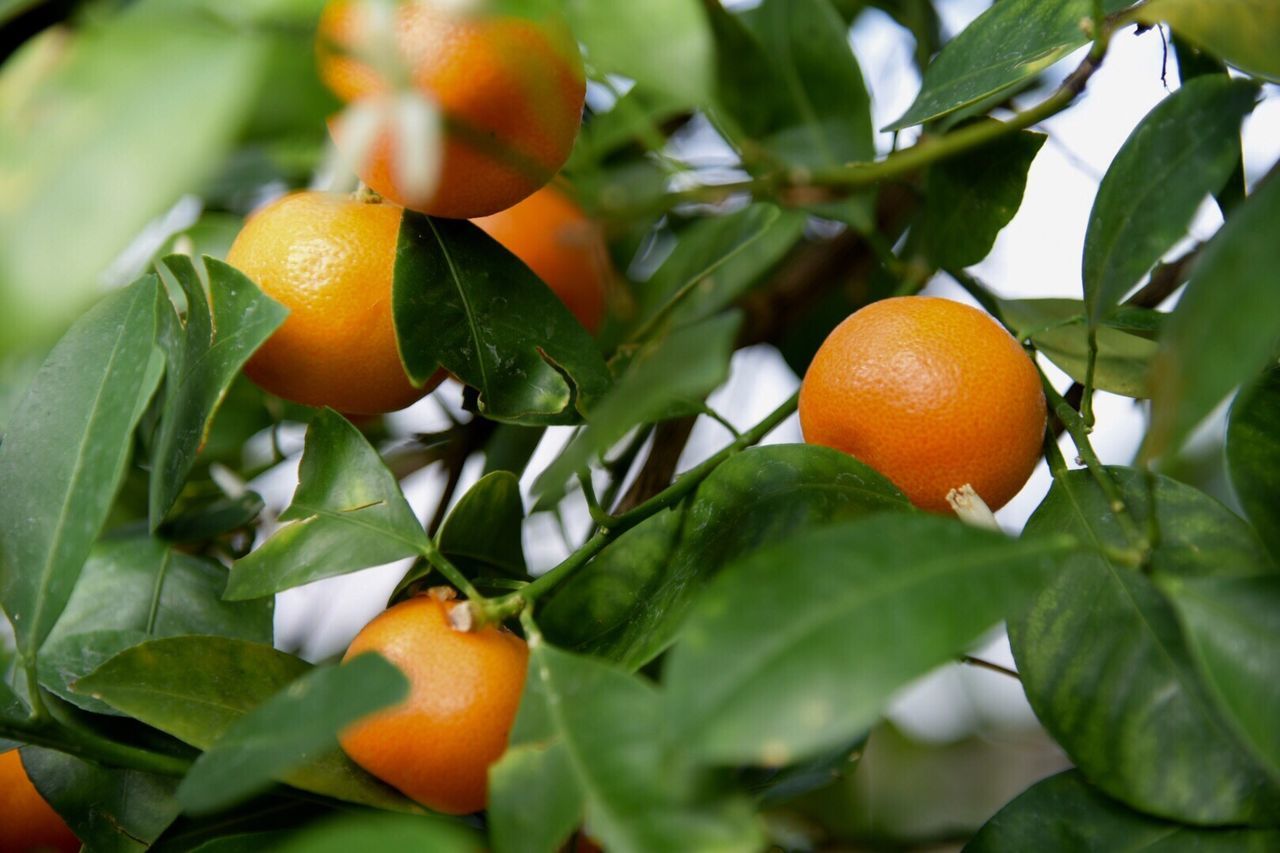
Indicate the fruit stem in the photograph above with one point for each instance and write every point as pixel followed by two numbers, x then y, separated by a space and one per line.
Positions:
pixel 451 572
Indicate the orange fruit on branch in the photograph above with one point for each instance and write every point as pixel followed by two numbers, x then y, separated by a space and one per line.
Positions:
pixel 931 393
pixel 464 688
pixel 330 260
pixel 27 822
pixel 510 90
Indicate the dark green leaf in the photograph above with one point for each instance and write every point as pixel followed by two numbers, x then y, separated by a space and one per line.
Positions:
pixel 347 514
pixel 1065 813
pixel 1226 325
pixel 109 808
pixel 1008 44
pixel 207 518
pixel 204 356
pixel 133 590
pixel 1245 33
pixel 972 197
pixel 1106 667
pixel 1253 454
pixel 799 647
pixel 290 730
pixel 1183 150
pixel 64 454
pixel 384 833
pixel 464 303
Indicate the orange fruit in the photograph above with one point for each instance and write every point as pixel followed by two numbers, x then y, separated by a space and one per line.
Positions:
pixel 27 822
pixel 510 90
pixel 931 393
pixel 555 239
pixel 464 688
pixel 329 259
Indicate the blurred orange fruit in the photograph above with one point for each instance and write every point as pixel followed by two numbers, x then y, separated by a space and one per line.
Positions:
pixel 27 822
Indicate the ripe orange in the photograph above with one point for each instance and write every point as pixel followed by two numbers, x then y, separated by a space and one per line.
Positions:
pixel 931 393
pixel 510 90
pixel 27 822
pixel 329 259
pixel 556 240
pixel 437 745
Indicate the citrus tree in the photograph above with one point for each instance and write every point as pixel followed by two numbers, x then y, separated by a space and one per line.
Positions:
pixel 719 644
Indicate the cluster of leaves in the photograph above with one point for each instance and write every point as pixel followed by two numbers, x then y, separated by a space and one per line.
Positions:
pixel 721 642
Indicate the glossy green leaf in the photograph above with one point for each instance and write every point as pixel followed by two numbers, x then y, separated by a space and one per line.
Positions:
pixel 1107 669
pixel 1064 812
pixel 1059 330
pixel 599 728
pixel 108 808
pixel 1226 325
pixel 1253 455
pixel 204 355
pixel 1183 150
pixel 1245 33
pixel 196 688
pixel 667 377
pixel 973 196
pixel 767 670
pixel 1232 626
pixel 347 514
pixel 464 303
pixel 135 589
pixel 1010 43
pixel 64 454
pixel 383 832
pixel 761 495
pixel 291 729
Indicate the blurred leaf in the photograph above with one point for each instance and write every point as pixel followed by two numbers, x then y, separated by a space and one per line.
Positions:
pixel 1253 454
pixel 1107 669
pixel 757 497
pixel 1065 813
pixel 205 353
pixel 202 520
pixel 511 447
pixel 291 729
pixel 1006 45
pixel 212 235
pixel 1226 325
pixel 1232 627
pixel 108 808
pixel 665 378
pixel 384 833
pixel 635 118
pixel 464 303
pixel 974 196
pixel 1058 329
pixel 347 514
pixel 133 590
pixel 799 647
pixel 599 728
pixel 1183 150
pixel 1245 33
pixel 64 454
pixel 195 688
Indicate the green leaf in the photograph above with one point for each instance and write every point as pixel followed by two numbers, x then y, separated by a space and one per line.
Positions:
pixel 383 832
pixel 1253 455
pixel 630 606
pixel 64 454
pixel 195 688
pixel 1183 150
pixel 663 44
pixel 1010 43
pixel 464 303
pixel 799 647
pixel 973 196
pixel 347 514
pixel 210 516
pixel 1058 329
pixel 108 808
pixel 1065 813
pixel 665 378
pixel 1245 33
pixel 289 730
pixel 152 592
pixel 596 729
pixel 204 356
pixel 1232 627
pixel 1107 669
pixel 1226 325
